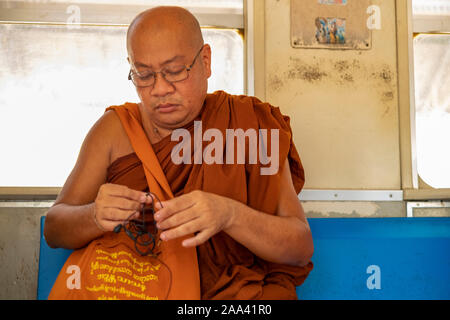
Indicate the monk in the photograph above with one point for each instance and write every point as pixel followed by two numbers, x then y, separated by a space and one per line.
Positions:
pixel 241 234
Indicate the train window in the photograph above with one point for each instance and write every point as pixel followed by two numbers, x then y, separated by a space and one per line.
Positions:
pixel 57 78
pixel 432 83
pixel 432 94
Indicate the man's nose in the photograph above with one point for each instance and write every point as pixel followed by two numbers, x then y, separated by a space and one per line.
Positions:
pixel 162 87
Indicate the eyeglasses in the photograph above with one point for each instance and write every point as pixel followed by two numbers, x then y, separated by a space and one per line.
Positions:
pixel 171 74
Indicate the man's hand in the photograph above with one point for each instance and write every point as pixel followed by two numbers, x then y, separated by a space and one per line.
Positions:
pixel 115 204
pixel 283 237
pixel 201 213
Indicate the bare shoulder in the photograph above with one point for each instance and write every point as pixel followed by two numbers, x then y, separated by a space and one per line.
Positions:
pixel 120 143
pixel 98 141
pixel 110 133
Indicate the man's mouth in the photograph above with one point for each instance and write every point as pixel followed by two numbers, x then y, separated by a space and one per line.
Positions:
pixel 166 107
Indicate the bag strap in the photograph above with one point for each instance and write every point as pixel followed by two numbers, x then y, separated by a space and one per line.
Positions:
pixel 182 261
pixel 156 178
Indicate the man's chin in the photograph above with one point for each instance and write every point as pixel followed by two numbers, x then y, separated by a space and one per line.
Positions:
pixel 173 120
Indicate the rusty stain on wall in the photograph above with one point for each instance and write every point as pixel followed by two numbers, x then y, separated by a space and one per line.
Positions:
pixel 301 70
pixel 275 83
pixel 337 73
pixel 389 95
pixel 346 70
pixel 384 73
pixel 340 72
pixel 344 65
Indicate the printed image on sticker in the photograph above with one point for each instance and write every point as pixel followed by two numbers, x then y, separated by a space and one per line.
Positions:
pixel 330 30
pixel 341 2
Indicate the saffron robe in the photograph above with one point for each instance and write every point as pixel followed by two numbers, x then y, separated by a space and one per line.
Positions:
pixel 227 269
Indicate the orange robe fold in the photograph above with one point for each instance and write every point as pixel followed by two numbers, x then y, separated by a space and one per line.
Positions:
pixel 227 269
pixel 110 268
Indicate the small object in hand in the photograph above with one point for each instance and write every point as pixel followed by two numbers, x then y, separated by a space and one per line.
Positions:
pixel 118 228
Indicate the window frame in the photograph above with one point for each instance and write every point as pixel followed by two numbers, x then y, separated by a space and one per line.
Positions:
pixel 107 14
pixel 48 13
pixel 414 188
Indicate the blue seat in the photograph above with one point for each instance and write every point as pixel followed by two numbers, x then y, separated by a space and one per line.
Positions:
pixel 51 262
pixel 354 258
pixel 379 258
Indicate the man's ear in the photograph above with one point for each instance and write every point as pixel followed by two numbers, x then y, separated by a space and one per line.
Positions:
pixel 206 59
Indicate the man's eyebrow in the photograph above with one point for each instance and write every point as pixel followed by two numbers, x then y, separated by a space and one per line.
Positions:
pixel 140 64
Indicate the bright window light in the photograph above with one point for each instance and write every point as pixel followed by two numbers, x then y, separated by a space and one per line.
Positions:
pixel 56 81
pixel 432 90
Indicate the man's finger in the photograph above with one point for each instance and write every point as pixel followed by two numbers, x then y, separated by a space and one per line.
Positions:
pixel 109 225
pixel 150 198
pixel 177 219
pixel 118 215
pixel 183 230
pixel 122 203
pixel 172 206
pixel 118 190
pixel 199 239
pixel 179 201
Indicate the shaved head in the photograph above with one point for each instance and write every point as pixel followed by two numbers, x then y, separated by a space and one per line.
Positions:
pixel 166 39
pixel 164 24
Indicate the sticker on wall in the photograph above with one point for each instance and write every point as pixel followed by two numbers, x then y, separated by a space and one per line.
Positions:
pixel 330 24
pixel 330 30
